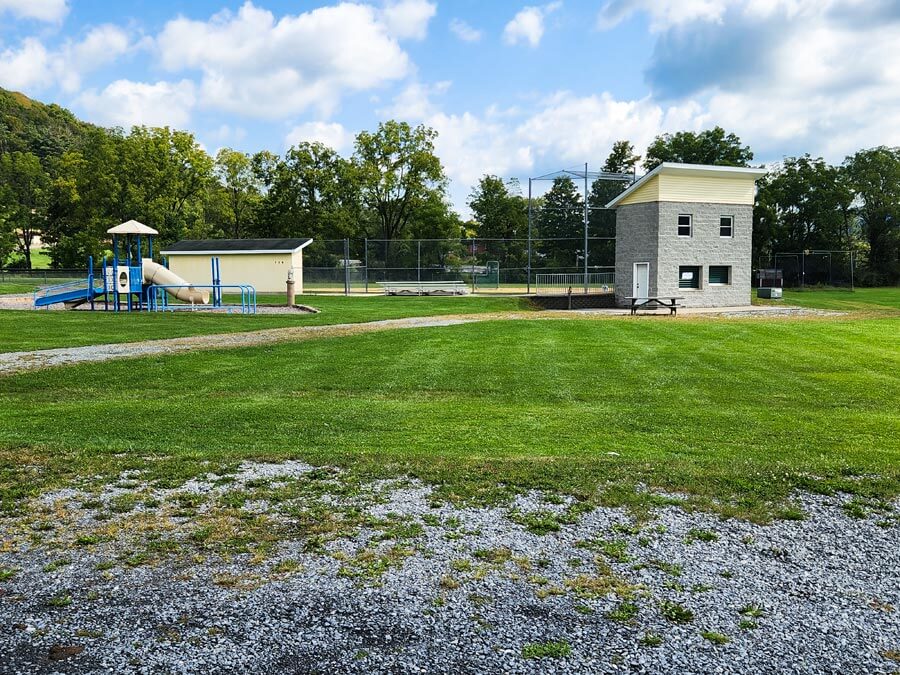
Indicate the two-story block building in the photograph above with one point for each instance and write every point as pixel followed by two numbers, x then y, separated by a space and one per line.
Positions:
pixel 685 230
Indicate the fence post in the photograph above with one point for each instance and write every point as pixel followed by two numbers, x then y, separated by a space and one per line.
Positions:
pixel 346 267
pixel 473 264
pixel 529 237
pixel 366 262
pixel 419 260
pixel 585 227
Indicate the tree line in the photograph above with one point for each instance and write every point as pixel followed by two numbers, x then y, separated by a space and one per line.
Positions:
pixel 68 182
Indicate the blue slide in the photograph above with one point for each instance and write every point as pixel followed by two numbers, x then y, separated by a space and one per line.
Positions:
pixel 75 292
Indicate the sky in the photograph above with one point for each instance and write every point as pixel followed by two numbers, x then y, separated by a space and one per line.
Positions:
pixel 513 89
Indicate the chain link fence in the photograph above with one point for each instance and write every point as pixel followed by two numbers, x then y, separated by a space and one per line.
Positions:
pixel 496 266
pixel 807 268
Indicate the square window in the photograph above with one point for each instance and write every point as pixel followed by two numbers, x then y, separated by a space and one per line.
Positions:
pixel 689 276
pixel 685 225
pixel 726 226
pixel 719 275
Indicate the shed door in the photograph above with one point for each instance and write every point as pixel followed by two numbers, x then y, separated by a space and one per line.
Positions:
pixel 641 289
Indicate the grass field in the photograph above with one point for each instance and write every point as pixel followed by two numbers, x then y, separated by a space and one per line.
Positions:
pixel 736 413
pixel 43 330
pixel 859 300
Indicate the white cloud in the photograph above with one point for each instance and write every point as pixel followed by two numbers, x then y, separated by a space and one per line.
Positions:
pixel 408 19
pixel 126 103
pixel 42 10
pixel 464 31
pixel 332 134
pixel 255 65
pixel 414 101
pixel 528 25
pixel 33 66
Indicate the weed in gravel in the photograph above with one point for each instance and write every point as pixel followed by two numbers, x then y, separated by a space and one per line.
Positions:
pixel 747 624
pixel 748 539
pixel 7 573
pixel 650 640
pixel 88 539
pixel 644 541
pixel 104 565
pixel 123 503
pixel 625 528
pixel 752 610
pixel 583 609
pixel 369 564
pixel 614 549
pixel 891 654
pixel 60 600
pixel 698 534
pixel 726 574
pixel 536 522
pixel 461 565
pixel 701 588
pixel 431 519
pixel 675 612
pixel 494 556
pixel 86 633
pixel 624 612
pixel 715 638
pixel 598 586
pixel 287 566
pixel 59 563
pixel 546 591
pixel 672 569
pixel 540 650
pixel 448 582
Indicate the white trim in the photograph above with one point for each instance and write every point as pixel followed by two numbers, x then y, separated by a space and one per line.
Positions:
pixel 690 234
pixel 688 170
pixel 634 279
pixel 722 236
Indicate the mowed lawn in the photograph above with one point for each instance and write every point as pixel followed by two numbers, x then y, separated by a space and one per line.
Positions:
pixel 24 330
pixel 885 299
pixel 736 413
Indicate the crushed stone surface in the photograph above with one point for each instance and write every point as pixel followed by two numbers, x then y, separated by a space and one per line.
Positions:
pixel 417 585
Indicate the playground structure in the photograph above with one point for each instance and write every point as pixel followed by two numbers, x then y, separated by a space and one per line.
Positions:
pixel 130 282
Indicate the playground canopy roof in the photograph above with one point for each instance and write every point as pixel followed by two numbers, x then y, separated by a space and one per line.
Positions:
pixel 236 246
pixel 131 227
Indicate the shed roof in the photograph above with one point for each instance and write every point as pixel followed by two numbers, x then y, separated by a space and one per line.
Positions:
pixel 698 170
pixel 236 246
pixel 131 227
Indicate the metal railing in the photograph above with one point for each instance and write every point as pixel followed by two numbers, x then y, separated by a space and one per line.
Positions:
pixel 158 298
pixel 597 282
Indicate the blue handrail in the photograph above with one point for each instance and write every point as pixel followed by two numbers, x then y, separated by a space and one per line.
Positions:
pixel 158 298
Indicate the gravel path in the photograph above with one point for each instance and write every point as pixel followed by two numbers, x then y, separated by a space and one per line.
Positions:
pixel 12 362
pixel 417 586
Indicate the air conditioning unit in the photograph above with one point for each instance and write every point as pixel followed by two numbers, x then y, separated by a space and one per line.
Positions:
pixel 123 281
pixel 770 293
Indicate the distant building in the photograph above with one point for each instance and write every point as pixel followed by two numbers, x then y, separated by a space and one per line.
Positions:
pixel 686 230
pixel 262 263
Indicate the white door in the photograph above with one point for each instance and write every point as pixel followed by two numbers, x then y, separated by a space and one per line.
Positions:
pixel 641 289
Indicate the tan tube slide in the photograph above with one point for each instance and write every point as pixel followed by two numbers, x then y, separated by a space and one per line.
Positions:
pixel 154 273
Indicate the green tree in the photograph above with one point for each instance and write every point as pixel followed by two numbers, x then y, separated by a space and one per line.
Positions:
pixel 398 172
pixel 712 146
pixel 874 176
pixel 24 198
pixel 236 175
pixel 501 214
pixel 804 204
pixel 622 158
pixel 561 222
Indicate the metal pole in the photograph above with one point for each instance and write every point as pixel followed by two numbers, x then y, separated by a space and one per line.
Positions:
pixel 529 236
pixel 851 270
pixel 585 227
pixel 473 264
pixel 366 256
pixel 419 260
pixel 346 267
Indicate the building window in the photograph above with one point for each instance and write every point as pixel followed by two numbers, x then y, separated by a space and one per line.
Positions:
pixel 719 275
pixel 688 276
pixel 726 226
pixel 685 225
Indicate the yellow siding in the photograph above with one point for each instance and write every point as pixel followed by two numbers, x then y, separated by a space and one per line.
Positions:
pixel 709 189
pixel 648 192
pixel 267 272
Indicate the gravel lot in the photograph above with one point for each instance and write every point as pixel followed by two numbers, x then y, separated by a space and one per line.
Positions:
pixel 283 568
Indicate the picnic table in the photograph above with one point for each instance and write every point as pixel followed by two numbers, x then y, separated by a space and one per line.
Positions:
pixel 669 302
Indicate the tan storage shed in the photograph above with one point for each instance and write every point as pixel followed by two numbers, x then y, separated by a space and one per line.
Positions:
pixel 262 263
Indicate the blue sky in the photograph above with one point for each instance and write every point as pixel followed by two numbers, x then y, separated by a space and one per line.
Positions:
pixel 513 88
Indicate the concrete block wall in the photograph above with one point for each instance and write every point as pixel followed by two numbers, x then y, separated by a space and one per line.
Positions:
pixel 648 232
pixel 706 247
pixel 637 240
